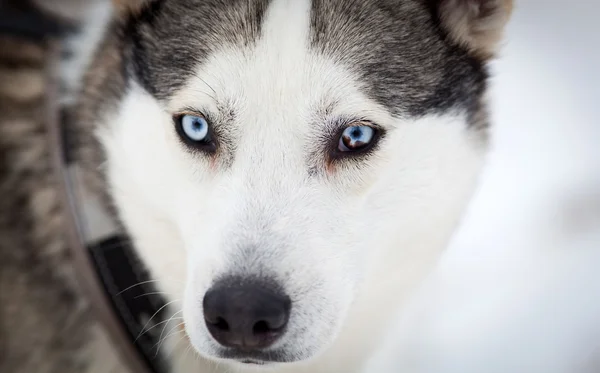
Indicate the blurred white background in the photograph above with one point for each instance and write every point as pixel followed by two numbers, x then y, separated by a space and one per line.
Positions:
pixel 519 289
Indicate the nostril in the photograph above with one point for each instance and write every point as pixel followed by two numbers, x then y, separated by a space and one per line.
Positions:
pixel 261 327
pixel 221 324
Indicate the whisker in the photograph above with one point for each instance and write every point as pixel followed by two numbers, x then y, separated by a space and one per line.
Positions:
pixel 138 284
pixel 187 351
pixel 160 343
pixel 208 85
pixel 154 326
pixel 169 334
pixel 177 343
pixel 165 326
pixel 150 293
pixel 155 313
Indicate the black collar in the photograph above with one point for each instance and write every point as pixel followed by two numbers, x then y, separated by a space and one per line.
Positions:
pixel 110 272
pixel 133 298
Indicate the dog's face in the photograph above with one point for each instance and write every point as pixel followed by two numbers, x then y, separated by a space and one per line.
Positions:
pixel 274 159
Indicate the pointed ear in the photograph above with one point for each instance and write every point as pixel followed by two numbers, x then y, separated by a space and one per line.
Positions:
pixel 475 24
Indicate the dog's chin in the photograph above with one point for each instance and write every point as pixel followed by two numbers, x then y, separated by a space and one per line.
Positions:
pixel 258 359
pixel 256 364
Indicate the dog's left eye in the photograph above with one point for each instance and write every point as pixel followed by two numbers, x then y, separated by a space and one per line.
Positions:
pixel 194 127
pixel 195 131
pixel 356 138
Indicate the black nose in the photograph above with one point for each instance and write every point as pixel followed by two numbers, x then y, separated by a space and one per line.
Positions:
pixel 246 314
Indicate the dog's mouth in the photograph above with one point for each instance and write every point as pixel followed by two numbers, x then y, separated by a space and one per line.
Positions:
pixel 255 357
pixel 253 362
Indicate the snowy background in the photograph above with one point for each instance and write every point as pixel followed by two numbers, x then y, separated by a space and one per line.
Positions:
pixel 519 289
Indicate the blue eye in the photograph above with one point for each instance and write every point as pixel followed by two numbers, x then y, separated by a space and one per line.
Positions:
pixel 194 127
pixel 356 138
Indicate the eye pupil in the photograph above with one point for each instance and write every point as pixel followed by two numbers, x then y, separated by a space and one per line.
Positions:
pixel 356 138
pixel 194 128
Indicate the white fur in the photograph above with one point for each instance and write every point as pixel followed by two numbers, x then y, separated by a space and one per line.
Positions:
pixel 347 244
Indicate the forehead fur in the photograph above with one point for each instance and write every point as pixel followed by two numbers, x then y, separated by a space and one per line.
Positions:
pixel 395 47
pixel 170 38
pixel 400 52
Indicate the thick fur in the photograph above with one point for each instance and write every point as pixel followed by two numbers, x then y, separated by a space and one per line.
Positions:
pixel 46 322
pixel 475 24
pixel 347 239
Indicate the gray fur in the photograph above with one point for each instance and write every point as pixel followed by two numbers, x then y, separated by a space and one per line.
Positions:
pixel 397 47
pixel 46 324
pixel 169 39
pixel 159 48
pixel 403 57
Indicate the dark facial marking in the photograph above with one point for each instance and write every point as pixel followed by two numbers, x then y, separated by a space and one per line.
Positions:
pixel 398 50
pixel 169 39
pixel 160 46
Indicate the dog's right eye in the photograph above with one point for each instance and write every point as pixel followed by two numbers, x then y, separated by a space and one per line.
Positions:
pixel 358 139
pixel 195 131
pixel 194 127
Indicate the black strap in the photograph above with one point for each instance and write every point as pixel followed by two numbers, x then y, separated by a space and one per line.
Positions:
pixel 133 296
pixel 125 281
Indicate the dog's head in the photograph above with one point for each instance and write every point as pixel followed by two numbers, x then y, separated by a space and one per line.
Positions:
pixel 278 162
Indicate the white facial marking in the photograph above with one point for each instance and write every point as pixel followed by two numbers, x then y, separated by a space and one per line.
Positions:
pixel 338 240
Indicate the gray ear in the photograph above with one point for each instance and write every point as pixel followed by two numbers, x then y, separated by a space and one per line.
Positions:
pixel 476 24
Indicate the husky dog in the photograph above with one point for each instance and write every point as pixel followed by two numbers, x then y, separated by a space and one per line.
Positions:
pixel 289 169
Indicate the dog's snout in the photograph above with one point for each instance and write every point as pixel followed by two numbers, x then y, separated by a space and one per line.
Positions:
pixel 246 314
